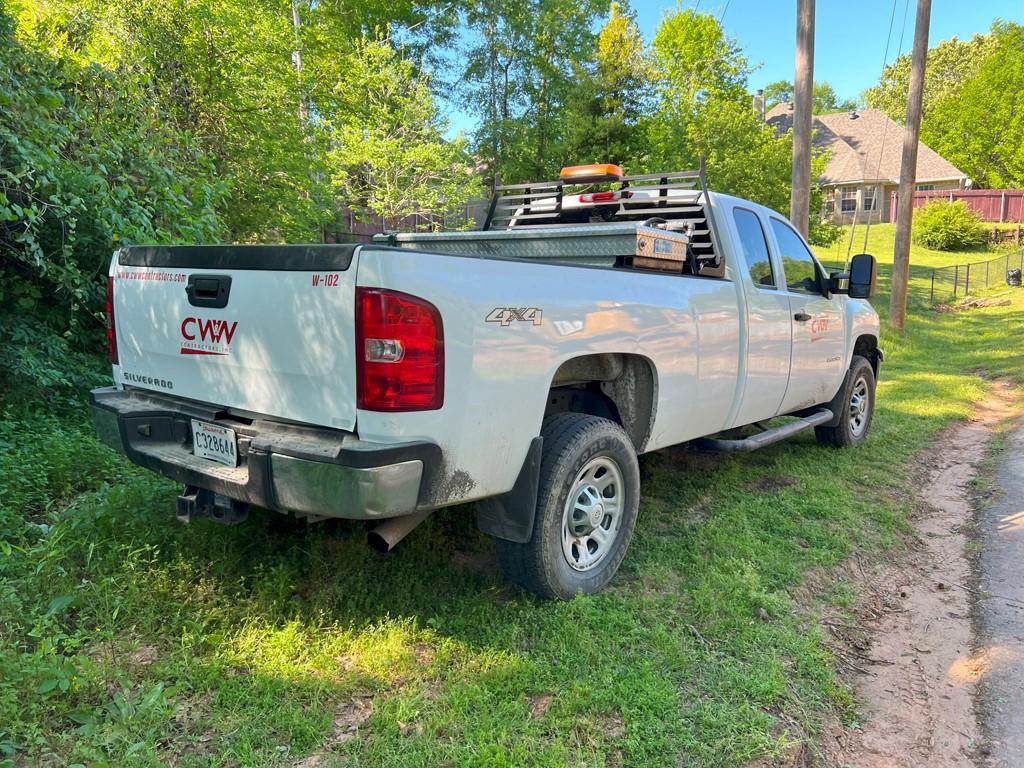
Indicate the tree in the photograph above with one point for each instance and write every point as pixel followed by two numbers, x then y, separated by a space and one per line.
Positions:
pixel 388 155
pixel 225 71
pixel 970 106
pixel 87 162
pixel 697 61
pixel 950 64
pixel 824 97
pixel 613 95
pixel 703 109
pixel 980 126
pixel 520 73
pixel 779 92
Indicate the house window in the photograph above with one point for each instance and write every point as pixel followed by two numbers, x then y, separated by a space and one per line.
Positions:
pixel 870 198
pixel 848 202
pixel 830 201
pixel 924 187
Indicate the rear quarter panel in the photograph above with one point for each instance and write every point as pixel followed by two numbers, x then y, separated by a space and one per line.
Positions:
pixel 497 375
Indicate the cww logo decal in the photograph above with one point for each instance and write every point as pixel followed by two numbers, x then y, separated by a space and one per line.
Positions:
pixel 206 337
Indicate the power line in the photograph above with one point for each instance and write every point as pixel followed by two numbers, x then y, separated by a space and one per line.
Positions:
pixel 885 125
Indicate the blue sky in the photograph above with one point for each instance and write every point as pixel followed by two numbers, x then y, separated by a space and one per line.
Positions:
pixel 850 37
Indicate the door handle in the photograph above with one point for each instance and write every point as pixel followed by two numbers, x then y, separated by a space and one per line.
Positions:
pixel 801 317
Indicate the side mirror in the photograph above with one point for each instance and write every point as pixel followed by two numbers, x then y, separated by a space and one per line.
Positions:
pixel 837 282
pixel 863 273
pixel 859 282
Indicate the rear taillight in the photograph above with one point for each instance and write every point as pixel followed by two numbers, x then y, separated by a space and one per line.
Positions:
pixel 399 352
pixel 111 329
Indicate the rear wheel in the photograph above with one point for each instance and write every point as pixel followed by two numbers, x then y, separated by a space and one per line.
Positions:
pixel 587 502
pixel 855 403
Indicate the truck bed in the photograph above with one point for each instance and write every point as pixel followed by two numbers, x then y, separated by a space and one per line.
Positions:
pixel 602 245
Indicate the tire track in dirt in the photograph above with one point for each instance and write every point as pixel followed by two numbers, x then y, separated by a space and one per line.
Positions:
pixel 917 685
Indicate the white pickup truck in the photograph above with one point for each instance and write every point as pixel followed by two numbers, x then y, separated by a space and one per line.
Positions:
pixel 523 367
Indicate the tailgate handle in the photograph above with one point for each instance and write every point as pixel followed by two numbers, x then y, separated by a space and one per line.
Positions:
pixel 208 290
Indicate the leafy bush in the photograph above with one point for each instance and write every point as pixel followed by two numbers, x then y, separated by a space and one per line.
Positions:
pixel 86 162
pixel 823 231
pixel 947 226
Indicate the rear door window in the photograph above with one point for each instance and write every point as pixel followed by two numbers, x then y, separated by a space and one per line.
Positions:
pixel 754 247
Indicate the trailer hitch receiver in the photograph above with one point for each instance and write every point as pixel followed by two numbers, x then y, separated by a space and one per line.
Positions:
pixel 197 502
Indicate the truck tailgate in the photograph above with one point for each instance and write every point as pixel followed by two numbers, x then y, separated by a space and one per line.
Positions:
pixel 265 329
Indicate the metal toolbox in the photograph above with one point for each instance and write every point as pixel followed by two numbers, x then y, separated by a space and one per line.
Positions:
pixel 661 249
pixel 594 245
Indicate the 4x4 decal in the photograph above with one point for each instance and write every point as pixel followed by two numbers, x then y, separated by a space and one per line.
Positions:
pixel 506 315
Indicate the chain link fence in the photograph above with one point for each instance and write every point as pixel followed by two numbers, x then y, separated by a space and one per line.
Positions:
pixel 960 279
pixel 930 285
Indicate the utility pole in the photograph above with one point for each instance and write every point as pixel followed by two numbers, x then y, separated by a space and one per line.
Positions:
pixel 803 89
pixel 908 169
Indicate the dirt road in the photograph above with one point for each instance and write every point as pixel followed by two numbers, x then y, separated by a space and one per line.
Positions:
pixel 925 681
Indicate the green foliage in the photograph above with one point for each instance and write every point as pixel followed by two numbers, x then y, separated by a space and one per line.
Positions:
pixel 256 87
pixel 971 114
pixel 697 62
pixel 35 355
pixel 778 92
pixel 824 98
pixel 821 230
pixel 981 128
pixel 949 65
pixel 87 161
pixel 946 226
pixel 519 76
pixel 704 109
pixel 180 121
pixel 388 153
pixel 612 96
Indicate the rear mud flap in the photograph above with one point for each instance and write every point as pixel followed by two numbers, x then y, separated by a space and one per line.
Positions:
pixel 510 516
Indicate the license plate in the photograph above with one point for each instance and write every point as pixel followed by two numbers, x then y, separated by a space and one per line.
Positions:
pixel 210 441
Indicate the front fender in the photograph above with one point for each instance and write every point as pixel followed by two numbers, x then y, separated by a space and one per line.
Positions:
pixel 862 321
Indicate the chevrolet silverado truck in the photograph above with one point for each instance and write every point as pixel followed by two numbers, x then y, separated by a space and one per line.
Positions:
pixel 523 367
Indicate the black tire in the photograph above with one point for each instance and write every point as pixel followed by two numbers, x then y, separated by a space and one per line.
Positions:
pixel 577 447
pixel 853 427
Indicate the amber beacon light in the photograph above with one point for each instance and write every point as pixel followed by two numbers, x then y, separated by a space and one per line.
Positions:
pixel 586 174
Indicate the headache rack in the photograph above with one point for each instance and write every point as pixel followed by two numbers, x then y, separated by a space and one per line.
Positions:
pixel 680 198
pixel 657 221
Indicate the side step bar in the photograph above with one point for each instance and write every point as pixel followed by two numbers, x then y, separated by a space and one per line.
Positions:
pixel 769 436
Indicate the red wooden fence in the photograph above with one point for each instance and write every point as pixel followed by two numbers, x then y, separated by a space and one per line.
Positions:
pixel 992 204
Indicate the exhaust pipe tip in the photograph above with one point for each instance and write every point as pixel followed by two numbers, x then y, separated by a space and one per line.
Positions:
pixel 385 537
pixel 379 543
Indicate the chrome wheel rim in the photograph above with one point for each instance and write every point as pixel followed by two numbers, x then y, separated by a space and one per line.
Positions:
pixel 593 514
pixel 859 400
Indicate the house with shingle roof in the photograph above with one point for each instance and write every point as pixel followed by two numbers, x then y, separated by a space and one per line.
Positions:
pixel 865 149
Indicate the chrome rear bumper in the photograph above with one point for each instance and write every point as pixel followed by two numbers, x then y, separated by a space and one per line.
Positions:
pixel 290 468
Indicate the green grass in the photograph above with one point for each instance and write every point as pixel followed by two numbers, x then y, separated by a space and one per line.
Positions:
pixel 126 638
pixel 923 261
pixel 880 243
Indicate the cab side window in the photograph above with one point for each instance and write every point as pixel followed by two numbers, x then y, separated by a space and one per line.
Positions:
pixel 798 264
pixel 755 247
